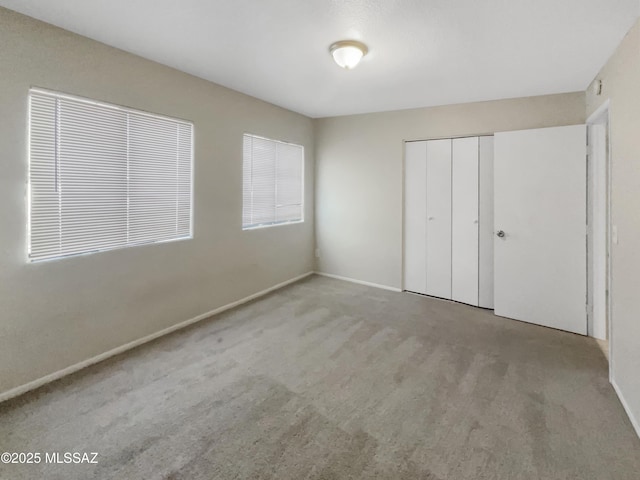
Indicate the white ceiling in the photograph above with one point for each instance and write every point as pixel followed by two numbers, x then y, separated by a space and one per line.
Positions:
pixel 421 52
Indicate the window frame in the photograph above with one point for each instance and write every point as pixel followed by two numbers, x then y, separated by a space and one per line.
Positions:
pixel 302 190
pixel 122 108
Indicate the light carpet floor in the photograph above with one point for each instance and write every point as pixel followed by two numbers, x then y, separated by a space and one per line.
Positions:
pixel 330 380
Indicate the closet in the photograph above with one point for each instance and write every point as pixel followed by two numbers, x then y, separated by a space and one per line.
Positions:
pixel 448 236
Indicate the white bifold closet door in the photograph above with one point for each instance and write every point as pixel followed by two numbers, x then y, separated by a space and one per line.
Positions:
pixel 464 229
pixel 438 244
pixel 448 236
pixel 427 239
pixel 415 217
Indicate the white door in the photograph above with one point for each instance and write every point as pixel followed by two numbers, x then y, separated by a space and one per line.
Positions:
pixel 439 218
pixel 485 234
pixel 464 229
pixel 415 217
pixel 540 206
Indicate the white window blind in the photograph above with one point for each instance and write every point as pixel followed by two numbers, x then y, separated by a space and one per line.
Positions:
pixel 273 182
pixel 104 177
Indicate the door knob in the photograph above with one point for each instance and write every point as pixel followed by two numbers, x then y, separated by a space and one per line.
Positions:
pixel 500 233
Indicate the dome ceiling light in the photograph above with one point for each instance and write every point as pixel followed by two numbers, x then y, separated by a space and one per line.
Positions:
pixel 348 53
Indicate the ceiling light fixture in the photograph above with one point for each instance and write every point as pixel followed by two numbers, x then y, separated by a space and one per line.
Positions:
pixel 348 53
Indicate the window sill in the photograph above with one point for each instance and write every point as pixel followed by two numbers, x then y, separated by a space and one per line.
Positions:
pixel 269 225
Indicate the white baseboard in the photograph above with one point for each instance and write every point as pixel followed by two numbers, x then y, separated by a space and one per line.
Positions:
pixel 625 405
pixel 360 282
pixel 14 392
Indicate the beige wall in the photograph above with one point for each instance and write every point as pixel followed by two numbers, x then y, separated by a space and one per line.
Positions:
pixel 621 85
pixel 55 314
pixel 359 174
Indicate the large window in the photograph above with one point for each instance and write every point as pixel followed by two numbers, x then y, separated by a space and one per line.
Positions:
pixel 273 182
pixel 104 177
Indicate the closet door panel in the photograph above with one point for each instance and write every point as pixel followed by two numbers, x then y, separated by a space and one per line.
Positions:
pixel 415 211
pixel 439 218
pixel 464 265
pixel 485 274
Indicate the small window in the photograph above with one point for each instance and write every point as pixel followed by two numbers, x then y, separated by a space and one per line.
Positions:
pixel 103 177
pixel 273 182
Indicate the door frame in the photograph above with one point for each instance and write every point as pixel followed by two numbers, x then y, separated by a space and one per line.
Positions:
pixel 601 116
